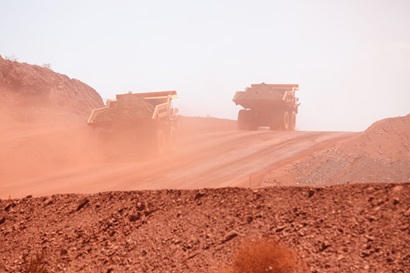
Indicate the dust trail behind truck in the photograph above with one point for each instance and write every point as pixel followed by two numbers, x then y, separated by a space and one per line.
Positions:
pixel 138 121
pixel 270 105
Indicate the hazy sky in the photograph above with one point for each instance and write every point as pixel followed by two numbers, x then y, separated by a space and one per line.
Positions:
pixel 351 58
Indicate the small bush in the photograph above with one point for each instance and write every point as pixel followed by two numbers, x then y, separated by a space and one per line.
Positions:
pixel 263 256
pixel 12 58
pixel 34 265
pixel 47 65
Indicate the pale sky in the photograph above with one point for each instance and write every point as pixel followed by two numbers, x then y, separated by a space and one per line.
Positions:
pixel 351 58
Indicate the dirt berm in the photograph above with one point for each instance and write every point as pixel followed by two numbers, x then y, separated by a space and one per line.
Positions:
pixel 379 154
pixel 31 93
pixel 348 228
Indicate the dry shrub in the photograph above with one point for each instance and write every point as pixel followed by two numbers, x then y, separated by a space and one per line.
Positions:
pixel 264 256
pixel 35 264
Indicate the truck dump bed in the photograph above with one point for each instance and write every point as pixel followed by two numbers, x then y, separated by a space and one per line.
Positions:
pixel 260 95
pixel 133 107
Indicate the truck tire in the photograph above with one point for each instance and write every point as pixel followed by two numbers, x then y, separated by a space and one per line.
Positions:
pixel 285 120
pixel 252 121
pixel 246 120
pixel 292 121
pixel 243 120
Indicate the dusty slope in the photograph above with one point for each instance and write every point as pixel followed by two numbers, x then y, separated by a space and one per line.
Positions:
pixel 345 228
pixel 42 120
pixel 36 151
pixel 75 161
pixel 350 228
pixel 379 154
pixel 31 93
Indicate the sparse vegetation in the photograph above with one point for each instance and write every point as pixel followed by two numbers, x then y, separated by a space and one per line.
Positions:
pixel 262 257
pixel 35 264
pixel 12 58
pixel 47 65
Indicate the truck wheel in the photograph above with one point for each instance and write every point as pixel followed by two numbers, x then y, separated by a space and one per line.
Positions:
pixel 252 121
pixel 243 120
pixel 285 120
pixel 292 122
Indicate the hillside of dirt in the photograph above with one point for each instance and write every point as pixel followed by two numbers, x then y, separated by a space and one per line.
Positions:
pixel 379 154
pixel 340 201
pixel 31 93
pixel 349 228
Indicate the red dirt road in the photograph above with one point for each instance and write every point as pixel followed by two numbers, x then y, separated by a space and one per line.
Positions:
pixel 349 213
pixel 207 157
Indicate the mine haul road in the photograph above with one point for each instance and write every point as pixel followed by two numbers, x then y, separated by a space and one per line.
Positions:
pixel 209 159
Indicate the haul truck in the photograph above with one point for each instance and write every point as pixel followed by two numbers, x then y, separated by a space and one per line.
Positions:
pixel 270 105
pixel 145 118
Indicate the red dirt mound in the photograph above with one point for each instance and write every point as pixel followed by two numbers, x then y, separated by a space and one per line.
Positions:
pixel 387 138
pixel 379 154
pixel 127 108
pixel 31 93
pixel 349 228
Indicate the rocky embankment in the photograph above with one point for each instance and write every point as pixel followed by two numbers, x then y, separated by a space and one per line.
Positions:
pixel 348 228
pixel 31 93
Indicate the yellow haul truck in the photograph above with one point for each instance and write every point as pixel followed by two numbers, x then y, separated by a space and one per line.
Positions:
pixel 146 119
pixel 270 105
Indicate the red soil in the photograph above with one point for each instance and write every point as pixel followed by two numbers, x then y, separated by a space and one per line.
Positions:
pixel 379 154
pixel 355 226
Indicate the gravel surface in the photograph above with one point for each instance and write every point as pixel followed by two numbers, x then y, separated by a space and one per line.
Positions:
pixel 349 228
pixel 379 154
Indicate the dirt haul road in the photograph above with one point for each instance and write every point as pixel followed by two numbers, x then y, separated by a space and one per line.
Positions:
pixel 207 158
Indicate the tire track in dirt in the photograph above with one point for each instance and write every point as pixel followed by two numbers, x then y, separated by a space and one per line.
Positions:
pixel 195 166
pixel 242 154
pixel 244 166
pixel 209 160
